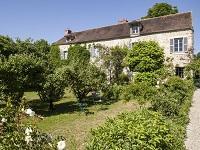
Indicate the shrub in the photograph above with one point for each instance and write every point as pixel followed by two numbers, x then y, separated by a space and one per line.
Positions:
pixel 149 77
pixel 112 92
pixel 141 91
pixel 172 95
pixel 142 129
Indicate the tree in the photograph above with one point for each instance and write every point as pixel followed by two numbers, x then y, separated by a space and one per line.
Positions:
pixel 161 9
pixel 78 55
pixel 20 73
pixel 145 56
pixel 112 62
pixel 7 47
pixel 54 56
pixel 198 55
pixel 54 86
pixel 82 76
pixel 195 67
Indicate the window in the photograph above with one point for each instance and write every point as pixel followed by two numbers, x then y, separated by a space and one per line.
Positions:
pixel 135 30
pixel 94 52
pixel 178 45
pixel 180 71
pixel 65 53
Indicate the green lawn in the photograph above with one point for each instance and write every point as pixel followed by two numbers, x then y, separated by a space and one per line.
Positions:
pixel 69 121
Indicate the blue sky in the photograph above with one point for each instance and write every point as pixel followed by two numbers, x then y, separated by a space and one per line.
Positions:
pixel 47 19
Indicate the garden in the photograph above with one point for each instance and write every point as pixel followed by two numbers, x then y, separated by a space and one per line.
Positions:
pixel 48 103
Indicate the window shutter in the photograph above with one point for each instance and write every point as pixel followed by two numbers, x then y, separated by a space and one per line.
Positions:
pixel 185 44
pixel 171 45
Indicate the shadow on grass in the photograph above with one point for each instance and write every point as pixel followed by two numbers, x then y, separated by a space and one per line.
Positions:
pixel 70 106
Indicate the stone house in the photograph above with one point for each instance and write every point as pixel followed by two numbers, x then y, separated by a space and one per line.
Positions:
pixel 174 33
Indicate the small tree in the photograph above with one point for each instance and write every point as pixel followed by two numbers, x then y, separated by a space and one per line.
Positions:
pixel 54 56
pixel 83 80
pixel 112 62
pixel 161 9
pixel 145 56
pixel 82 76
pixel 19 74
pixel 54 86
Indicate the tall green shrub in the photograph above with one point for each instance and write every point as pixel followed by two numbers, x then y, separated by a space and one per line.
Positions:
pixel 145 56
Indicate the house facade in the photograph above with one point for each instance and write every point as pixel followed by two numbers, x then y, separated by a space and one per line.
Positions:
pixel 174 33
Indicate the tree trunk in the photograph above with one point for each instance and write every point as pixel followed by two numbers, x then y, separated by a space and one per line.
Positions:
pixel 51 105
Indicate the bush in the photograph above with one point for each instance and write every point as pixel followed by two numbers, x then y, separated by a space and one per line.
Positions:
pixel 142 129
pixel 149 77
pixel 112 92
pixel 172 95
pixel 141 91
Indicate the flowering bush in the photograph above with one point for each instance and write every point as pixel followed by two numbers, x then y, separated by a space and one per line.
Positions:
pixel 16 135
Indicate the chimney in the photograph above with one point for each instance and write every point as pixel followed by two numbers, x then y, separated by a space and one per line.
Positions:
pixel 122 21
pixel 67 32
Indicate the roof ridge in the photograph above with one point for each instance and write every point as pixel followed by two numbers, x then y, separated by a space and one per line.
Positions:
pixel 132 21
pixel 101 27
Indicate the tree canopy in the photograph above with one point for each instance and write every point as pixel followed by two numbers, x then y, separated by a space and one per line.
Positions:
pixel 145 56
pixel 83 77
pixel 161 9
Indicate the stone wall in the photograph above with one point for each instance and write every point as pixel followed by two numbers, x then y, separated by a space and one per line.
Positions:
pixel 178 59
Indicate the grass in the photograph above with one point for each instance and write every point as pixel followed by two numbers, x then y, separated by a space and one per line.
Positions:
pixel 69 121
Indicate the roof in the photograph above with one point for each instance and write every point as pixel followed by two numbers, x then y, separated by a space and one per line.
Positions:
pixel 174 22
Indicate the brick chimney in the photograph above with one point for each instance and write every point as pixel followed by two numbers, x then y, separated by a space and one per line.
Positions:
pixel 122 21
pixel 67 32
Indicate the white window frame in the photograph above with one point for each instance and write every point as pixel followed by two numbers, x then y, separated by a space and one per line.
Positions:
pixel 135 29
pixel 184 45
pixel 65 54
pixel 94 52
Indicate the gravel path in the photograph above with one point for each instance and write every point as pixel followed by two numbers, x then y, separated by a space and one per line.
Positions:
pixel 193 129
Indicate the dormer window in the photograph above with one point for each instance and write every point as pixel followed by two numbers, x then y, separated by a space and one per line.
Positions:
pixel 135 30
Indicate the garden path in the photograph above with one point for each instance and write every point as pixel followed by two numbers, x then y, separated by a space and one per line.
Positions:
pixel 193 129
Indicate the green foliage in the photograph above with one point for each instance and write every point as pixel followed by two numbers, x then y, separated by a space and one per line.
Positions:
pixel 141 129
pixel 54 56
pixel 141 91
pixel 7 47
pixel 82 76
pixel 145 56
pixel 78 55
pixel 194 66
pixel 112 92
pixel 83 80
pixel 149 77
pixel 53 87
pixel 117 55
pixel 198 55
pixel 172 95
pixel 161 9
pixel 112 62
pixel 20 73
